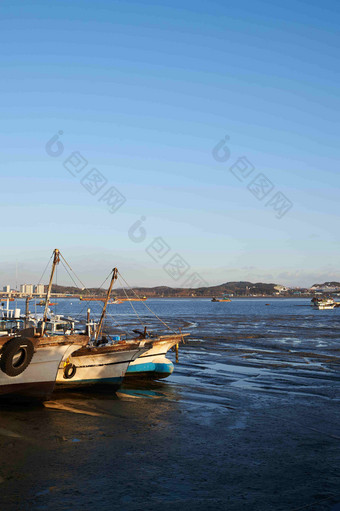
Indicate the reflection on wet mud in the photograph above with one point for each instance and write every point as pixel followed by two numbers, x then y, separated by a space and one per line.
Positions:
pixel 55 405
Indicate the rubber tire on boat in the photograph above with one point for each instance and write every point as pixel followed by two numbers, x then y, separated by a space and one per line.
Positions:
pixel 16 356
pixel 69 371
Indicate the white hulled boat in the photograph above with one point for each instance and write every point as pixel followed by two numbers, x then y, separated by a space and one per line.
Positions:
pixel 154 363
pixel 37 380
pixel 107 361
pixel 102 361
pixel 323 303
pixel 105 364
pixel 29 358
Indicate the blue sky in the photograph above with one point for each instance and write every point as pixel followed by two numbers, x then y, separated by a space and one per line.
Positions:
pixel 144 92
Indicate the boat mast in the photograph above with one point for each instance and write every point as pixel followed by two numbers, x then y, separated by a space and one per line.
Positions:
pixel 101 321
pixel 27 312
pixel 88 324
pixel 56 260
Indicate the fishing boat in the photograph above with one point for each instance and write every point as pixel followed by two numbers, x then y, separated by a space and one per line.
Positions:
pixel 223 299
pixel 29 358
pixel 323 303
pixel 97 299
pixel 10 320
pixel 29 364
pixel 105 364
pixel 10 327
pixel 111 301
pixel 57 324
pixel 107 360
pixel 122 300
pixel 91 298
pixel 104 360
pixel 153 363
pixel 9 314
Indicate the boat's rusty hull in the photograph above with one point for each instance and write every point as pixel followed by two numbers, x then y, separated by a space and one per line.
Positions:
pixel 37 381
pixel 23 392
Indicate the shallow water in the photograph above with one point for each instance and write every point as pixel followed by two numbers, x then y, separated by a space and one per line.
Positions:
pixel 248 420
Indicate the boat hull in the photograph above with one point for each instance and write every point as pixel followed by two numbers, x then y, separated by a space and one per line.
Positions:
pixel 99 369
pixel 37 382
pixel 153 363
pixel 27 392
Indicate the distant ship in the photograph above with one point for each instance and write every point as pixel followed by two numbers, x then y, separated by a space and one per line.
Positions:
pixel 122 300
pixel 323 303
pixel 223 299
pixel 91 299
pixel 114 301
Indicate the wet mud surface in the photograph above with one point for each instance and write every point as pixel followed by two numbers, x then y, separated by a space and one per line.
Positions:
pixel 249 420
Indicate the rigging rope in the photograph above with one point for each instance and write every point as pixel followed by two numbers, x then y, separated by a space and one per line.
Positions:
pixel 43 273
pixel 159 319
pixel 86 304
pixel 140 320
pixel 116 322
pixel 75 272
pixel 66 266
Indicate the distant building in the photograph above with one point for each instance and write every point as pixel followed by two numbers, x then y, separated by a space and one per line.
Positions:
pixel 26 289
pixel 29 289
pixel 39 289
pixel 326 289
pixel 281 289
pixel 7 289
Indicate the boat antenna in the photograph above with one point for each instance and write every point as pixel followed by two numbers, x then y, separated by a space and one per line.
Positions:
pixel 101 321
pixel 56 260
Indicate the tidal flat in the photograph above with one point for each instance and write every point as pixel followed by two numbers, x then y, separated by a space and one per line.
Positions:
pixel 249 420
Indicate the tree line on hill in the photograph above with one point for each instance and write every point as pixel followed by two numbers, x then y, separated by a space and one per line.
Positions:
pixel 242 288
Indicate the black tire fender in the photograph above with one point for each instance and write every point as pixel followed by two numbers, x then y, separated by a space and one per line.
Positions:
pixel 16 356
pixel 69 371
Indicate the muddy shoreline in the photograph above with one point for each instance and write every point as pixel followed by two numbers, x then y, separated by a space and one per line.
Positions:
pixel 249 420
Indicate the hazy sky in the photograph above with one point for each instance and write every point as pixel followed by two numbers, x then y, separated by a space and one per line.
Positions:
pixel 143 93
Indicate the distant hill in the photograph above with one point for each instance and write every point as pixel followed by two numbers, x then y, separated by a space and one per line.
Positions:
pixel 327 284
pixel 238 288
pixel 242 288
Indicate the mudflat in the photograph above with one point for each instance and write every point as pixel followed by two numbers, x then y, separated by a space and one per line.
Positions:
pixel 249 420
